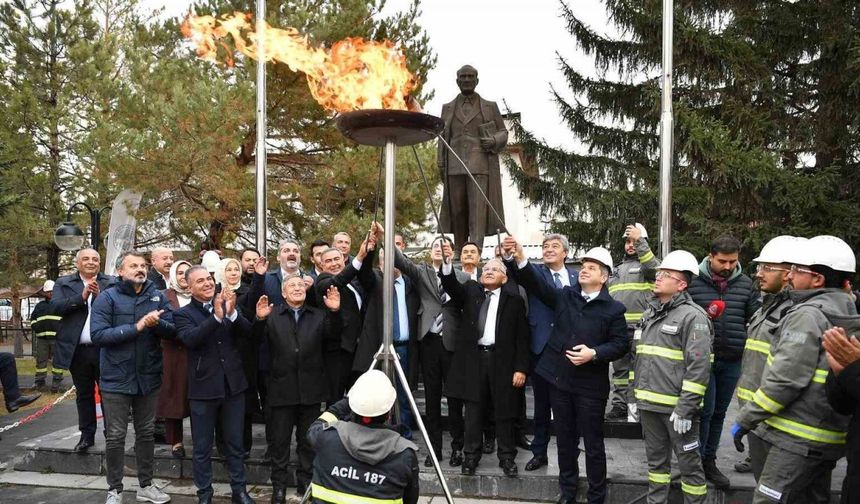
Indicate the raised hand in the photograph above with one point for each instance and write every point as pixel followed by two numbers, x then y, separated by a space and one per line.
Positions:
pixel 377 230
pixel 509 245
pixel 218 306
pixel 264 309
pixel 229 296
pixel 90 288
pixel 447 251
pixel 262 266
pixel 308 280
pixel 331 299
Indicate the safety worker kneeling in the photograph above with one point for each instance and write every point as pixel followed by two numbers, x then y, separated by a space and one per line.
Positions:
pixel 358 457
pixel 802 435
pixel 672 367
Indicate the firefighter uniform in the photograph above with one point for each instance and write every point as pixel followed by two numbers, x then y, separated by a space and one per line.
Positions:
pixel 760 331
pixel 45 323
pixel 803 436
pixel 631 285
pixel 358 463
pixel 671 372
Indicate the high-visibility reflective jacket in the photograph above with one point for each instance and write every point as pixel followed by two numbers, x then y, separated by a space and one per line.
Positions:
pixel 672 364
pixel 760 332
pixel 44 320
pixel 633 280
pixel 790 408
pixel 359 464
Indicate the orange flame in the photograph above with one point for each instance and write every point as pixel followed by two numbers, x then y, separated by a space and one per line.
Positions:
pixel 354 74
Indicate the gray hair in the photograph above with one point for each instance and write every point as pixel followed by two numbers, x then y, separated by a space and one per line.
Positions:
pixel 78 253
pixel 331 249
pixel 559 237
pixel 283 243
pixel 195 267
pixel 289 277
pixel 127 253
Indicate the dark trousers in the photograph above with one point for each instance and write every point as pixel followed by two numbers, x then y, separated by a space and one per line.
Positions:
pixel 543 411
pixel 283 419
pixel 718 397
pixel 407 419
pixel 338 365
pixel 577 416
pixel 507 450
pixel 85 375
pixel 231 413
pixel 435 363
pixel 117 408
pixel 9 377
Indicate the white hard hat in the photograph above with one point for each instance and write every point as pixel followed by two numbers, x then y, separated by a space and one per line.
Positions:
pixel 780 249
pixel 641 229
pixel 680 260
pixel 832 252
pixel 372 395
pixel 48 286
pixel 799 252
pixel 210 261
pixel 601 255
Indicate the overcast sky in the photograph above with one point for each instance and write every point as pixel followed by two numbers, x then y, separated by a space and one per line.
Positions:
pixel 513 45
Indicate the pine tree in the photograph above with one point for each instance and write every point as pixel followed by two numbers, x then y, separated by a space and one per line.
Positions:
pixel 765 139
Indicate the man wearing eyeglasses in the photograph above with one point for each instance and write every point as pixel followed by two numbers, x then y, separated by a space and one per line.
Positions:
pixel 670 372
pixel 774 266
pixel 721 282
pixel 803 436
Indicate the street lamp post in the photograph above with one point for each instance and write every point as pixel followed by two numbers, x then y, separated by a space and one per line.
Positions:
pixel 70 237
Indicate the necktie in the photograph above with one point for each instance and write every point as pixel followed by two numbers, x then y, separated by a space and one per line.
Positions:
pixel 296 315
pixel 467 106
pixel 396 304
pixel 209 308
pixel 556 279
pixel 437 322
pixel 482 314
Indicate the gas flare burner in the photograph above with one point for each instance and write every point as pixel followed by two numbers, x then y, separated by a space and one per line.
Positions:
pixel 379 127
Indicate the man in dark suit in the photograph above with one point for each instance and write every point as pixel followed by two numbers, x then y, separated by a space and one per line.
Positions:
pixel 589 331
pixel 476 132
pixel 289 260
pixel 406 304
pixel 340 353
pixel 74 350
pixel 436 334
pixel 317 248
pixel 209 327
pixel 161 259
pixel 555 273
pixel 297 334
pixel 490 360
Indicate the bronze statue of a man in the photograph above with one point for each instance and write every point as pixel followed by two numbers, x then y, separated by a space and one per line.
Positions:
pixel 475 130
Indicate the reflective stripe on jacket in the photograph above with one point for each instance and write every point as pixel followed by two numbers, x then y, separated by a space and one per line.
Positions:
pixel 633 281
pixel 790 409
pixel 760 333
pixel 672 363
pixel 44 321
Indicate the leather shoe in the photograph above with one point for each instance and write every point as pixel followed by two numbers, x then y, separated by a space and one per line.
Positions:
pixel 456 458
pixel 83 445
pixel 536 463
pixel 509 467
pixel 489 445
pixel 523 442
pixel 279 496
pixel 24 400
pixel 428 462
pixel 566 500
pixel 242 498
pixel 469 467
pixel 204 499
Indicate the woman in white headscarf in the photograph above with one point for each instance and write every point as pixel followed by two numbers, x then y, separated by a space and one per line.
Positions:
pixel 172 404
pixel 229 274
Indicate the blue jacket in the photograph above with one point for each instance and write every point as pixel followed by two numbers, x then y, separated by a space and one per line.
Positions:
pixel 541 316
pixel 742 301
pixel 598 324
pixel 68 303
pixel 130 360
pixel 213 355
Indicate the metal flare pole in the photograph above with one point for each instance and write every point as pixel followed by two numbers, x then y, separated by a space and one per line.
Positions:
pixel 388 265
pixel 666 132
pixel 260 171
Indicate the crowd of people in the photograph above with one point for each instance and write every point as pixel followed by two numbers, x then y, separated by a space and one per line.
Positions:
pixel 228 342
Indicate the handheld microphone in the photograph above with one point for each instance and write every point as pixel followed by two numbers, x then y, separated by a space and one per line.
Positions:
pixel 716 309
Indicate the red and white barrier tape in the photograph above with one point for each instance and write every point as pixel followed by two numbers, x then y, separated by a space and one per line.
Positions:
pixel 37 414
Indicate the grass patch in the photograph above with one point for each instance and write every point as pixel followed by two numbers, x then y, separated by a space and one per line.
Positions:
pixel 26 366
